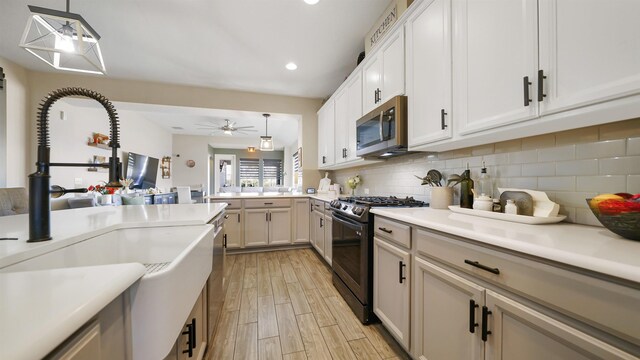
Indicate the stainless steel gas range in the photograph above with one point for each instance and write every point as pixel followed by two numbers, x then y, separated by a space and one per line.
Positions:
pixel 352 259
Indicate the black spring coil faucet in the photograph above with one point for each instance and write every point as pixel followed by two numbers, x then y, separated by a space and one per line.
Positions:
pixel 40 191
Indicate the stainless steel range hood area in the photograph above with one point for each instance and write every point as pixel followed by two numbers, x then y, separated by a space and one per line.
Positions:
pixel 382 133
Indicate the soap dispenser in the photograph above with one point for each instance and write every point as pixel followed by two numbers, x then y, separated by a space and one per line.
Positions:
pixel 466 190
pixel 485 183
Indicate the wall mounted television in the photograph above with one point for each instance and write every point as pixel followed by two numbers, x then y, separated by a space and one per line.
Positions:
pixel 142 169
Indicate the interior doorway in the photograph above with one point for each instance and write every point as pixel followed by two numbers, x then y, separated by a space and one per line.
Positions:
pixel 224 170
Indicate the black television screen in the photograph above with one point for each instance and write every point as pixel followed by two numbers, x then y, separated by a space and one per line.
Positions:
pixel 142 169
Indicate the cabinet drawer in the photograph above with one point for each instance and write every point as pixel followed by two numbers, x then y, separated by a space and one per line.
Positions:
pixel 233 204
pixel 318 205
pixel 394 231
pixel 602 304
pixel 266 203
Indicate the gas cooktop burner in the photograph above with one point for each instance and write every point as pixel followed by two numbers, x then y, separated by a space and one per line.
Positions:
pixel 383 201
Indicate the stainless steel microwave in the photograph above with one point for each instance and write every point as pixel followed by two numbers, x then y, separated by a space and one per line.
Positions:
pixel 382 132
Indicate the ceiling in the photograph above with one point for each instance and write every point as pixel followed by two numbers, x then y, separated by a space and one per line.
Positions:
pixel 283 127
pixel 227 44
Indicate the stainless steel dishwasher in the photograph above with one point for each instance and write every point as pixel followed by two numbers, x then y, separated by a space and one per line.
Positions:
pixel 215 284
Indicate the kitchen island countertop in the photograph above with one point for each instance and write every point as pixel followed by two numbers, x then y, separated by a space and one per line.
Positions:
pixel 587 247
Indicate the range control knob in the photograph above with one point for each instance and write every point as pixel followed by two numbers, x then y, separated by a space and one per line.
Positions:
pixel 345 207
pixel 335 204
pixel 357 210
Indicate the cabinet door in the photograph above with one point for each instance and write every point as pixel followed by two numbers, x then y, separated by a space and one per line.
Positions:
pixel 233 229
pixel 519 332
pixel 326 156
pixel 495 46
pixel 354 113
pixel 193 334
pixel 328 237
pixel 341 125
pixel 371 82
pixel 301 212
pixel 429 72
pixel 589 52
pixel 443 306
pixel 392 66
pixel 319 230
pixel 256 227
pixel 391 279
pixel 280 226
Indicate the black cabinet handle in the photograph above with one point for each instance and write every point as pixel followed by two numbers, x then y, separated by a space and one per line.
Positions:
pixel 238 217
pixel 442 114
pixel 401 276
pixel 541 77
pixel 268 203
pixel 525 84
pixel 485 316
pixel 324 159
pixel 483 267
pixel 472 316
pixel 321 222
pixel 266 216
pixel 224 241
pixel 385 230
pixel 191 340
pixel 226 216
pixel 375 96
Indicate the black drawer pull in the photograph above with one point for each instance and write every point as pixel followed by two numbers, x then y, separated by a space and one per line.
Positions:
pixel 541 77
pixel 472 316
pixel 224 243
pixel 401 276
pixel 442 114
pixel 483 267
pixel 526 83
pixel 385 230
pixel 268 203
pixel 321 222
pixel 485 317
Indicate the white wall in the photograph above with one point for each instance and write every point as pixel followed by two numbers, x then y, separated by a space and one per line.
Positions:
pixel 69 141
pixel 189 147
pixel 16 139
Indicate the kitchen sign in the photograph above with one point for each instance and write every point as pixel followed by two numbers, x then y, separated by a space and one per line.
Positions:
pixel 384 23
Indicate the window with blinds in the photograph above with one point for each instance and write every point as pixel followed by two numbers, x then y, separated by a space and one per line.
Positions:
pixel 297 168
pixel 249 172
pixel 272 172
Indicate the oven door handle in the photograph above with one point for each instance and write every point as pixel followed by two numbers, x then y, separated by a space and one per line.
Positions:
pixel 381 125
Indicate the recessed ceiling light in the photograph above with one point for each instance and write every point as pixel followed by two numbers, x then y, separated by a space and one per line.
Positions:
pixel 291 66
pixel 311 2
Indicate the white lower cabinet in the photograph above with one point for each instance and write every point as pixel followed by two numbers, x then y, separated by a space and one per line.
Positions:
pixel 267 226
pixel 318 229
pixel 391 289
pixel 328 239
pixel 446 309
pixel 233 229
pixel 301 226
pixel 192 341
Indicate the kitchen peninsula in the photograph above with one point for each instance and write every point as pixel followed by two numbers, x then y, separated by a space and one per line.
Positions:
pixel 66 292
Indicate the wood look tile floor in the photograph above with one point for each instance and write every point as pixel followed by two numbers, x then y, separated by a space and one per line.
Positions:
pixel 282 305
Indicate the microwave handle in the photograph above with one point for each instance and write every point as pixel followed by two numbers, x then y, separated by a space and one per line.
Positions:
pixel 380 127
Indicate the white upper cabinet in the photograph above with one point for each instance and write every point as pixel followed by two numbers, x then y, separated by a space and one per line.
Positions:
pixel 428 32
pixel 383 73
pixel 348 109
pixel 326 115
pixel 495 52
pixel 589 52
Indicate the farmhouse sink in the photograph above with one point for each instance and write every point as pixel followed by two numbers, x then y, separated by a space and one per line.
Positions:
pixel 178 261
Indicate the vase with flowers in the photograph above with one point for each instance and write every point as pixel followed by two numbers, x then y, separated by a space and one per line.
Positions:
pixel 353 183
pixel 104 194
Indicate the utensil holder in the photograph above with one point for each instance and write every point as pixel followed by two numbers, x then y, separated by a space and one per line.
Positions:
pixel 441 197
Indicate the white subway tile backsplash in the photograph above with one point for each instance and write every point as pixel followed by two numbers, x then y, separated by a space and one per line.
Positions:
pixel 633 184
pixel 602 183
pixel 523 157
pixel 567 152
pixel 633 146
pixel 601 149
pixel 557 183
pixel 577 167
pixel 620 165
pixel 539 169
pixel 569 166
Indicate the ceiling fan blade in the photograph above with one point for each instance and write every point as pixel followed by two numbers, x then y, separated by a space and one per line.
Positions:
pixel 244 127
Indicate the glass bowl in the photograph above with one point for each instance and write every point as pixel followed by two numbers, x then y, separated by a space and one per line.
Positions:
pixel 624 222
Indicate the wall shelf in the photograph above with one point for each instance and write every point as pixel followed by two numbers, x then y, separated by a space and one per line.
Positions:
pixel 101 146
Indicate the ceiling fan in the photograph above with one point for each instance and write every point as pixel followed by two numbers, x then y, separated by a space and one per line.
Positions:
pixel 228 128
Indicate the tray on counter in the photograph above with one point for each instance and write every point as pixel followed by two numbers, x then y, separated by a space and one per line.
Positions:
pixel 532 220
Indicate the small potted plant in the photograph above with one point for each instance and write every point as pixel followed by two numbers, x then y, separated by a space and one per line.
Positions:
pixel 353 183
pixel 104 193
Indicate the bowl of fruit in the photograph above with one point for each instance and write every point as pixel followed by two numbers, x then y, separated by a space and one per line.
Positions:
pixel 619 213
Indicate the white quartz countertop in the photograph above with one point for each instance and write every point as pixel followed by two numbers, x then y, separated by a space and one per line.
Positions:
pixel 588 247
pixel 40 309
pixel 73 225
pixel 267 195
